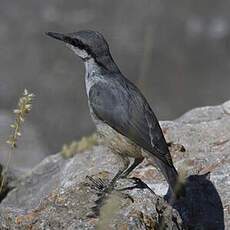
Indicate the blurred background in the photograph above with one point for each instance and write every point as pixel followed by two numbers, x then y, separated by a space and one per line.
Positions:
pixel 177 52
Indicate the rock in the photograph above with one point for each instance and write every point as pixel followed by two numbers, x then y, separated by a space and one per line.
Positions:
pixel 205 134
pixel 56 194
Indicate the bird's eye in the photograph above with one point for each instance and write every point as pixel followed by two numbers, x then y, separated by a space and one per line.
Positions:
pixel 77 43
pixel 68 40
pixel 74 42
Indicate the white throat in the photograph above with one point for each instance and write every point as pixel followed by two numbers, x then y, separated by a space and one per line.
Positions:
pixel 92 73
pixel 81 53
pixel 91 66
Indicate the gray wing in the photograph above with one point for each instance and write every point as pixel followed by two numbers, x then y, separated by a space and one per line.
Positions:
pixel 121 105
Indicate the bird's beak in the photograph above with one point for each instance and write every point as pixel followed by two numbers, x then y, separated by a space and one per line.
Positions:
pixel 62 37
pixel 58 36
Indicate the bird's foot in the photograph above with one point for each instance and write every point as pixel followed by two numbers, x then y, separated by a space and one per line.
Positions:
pixel 105 190
pixel 97 184
pixel 138 183
pixel 102 186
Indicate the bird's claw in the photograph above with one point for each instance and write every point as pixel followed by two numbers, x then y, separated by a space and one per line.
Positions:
pixel 100 185
pixel 138 183
pixel 104 190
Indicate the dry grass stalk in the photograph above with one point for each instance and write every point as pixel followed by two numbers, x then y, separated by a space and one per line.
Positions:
pixel 24 107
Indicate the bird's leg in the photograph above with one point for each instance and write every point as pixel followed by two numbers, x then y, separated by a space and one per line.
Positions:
pixel 125 161
pixel 136 162
pixel 104 187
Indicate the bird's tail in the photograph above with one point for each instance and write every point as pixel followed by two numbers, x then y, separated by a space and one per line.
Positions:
pixel 176 187
pixel 169 172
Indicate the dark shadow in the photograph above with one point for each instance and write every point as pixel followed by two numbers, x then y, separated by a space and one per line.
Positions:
pixel 7 184
pixel 200 208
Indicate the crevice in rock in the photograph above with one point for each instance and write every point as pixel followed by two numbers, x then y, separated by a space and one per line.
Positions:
pixel 5 191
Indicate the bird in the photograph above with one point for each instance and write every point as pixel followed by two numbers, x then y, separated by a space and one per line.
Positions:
pixel 124 119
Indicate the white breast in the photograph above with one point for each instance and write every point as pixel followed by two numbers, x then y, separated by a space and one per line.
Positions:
pixel 92 74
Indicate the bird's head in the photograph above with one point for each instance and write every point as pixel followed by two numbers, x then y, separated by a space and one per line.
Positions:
pixel 86 44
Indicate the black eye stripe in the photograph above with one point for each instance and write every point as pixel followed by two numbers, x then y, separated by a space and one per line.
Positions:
pixel 75 42
pixel 82 46
pixel 69 40
pixel 79 44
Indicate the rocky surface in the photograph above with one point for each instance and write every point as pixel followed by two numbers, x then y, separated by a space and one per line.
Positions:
pixel 56 193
